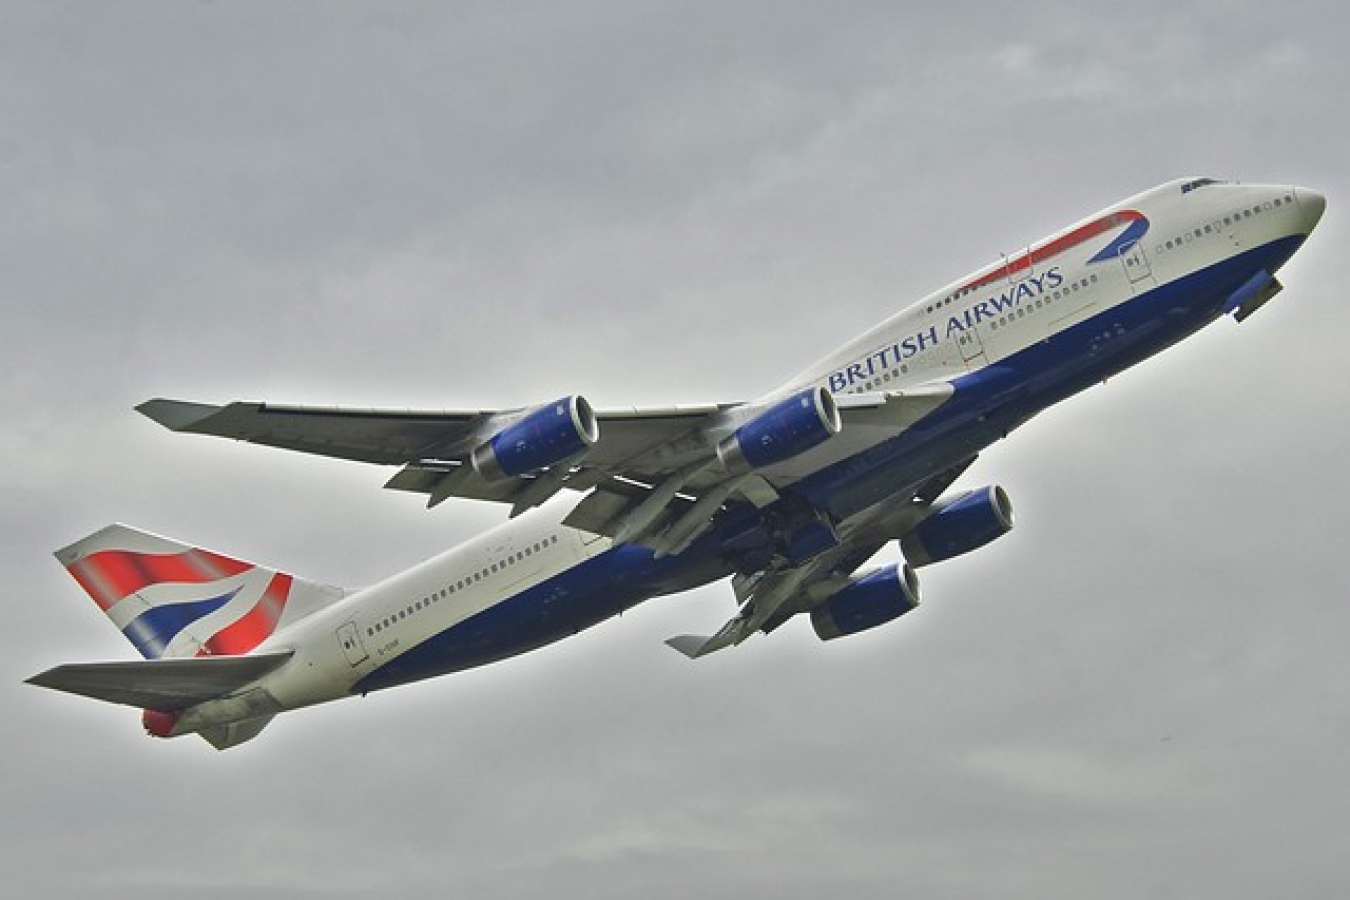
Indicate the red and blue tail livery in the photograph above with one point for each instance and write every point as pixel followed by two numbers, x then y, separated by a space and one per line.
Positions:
pixel 171 599
pixel 788 496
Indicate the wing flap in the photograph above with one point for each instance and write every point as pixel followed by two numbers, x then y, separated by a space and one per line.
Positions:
pixel 161 684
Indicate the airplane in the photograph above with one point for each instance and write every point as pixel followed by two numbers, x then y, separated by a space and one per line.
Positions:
pixel 788 495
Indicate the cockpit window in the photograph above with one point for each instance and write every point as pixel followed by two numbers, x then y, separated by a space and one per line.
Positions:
pixel 1197 184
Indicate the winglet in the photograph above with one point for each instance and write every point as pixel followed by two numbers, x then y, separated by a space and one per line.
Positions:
pixel 691 645
pixel 177 415
pixel 694 646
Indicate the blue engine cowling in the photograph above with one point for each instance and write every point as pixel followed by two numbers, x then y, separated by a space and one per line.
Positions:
pixel 866 602
pixel 784 430
pixel 960 525
pixel 541 438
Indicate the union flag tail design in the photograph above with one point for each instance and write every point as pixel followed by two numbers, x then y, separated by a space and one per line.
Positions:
pixel 171 599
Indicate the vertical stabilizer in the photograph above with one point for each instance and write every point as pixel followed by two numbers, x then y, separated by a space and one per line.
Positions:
pixel 172 599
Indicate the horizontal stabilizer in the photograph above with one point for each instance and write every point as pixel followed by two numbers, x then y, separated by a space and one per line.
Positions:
pixel 167 685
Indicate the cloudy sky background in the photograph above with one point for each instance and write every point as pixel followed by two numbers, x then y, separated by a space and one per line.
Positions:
pixel 1141 692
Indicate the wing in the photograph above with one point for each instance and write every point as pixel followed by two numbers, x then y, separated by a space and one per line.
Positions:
pixel 401 437
pixel 646 469
pixel 770 597
pixel 167 685
pixel 655 476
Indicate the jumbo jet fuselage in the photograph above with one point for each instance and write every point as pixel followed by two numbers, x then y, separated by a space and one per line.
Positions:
pixel 977 359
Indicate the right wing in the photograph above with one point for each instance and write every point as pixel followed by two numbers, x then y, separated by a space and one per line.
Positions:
pixel 770 597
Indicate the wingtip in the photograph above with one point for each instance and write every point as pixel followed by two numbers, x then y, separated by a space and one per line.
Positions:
pixel 691 645
pixel 48 679
pixel 176 415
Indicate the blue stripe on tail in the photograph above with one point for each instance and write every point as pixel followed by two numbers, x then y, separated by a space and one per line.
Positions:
pixel 153 629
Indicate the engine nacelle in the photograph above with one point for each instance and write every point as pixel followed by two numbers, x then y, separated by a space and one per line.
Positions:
pixel 541 438
pixel 866 602
pixel 958 526
pixel 784 430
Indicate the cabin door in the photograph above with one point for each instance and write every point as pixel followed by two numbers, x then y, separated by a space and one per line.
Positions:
pixel 1136 263
pixel 972 348
pixel 350 641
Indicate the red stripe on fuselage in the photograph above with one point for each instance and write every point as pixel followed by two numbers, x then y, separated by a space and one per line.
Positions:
pixel 1080 235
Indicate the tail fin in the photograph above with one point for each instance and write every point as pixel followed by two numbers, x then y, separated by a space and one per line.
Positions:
pixel 171 599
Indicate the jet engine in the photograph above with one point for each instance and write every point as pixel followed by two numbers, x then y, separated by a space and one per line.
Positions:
pixel 784 430
pixel 541 438
pixel 959 525
pixel 866 602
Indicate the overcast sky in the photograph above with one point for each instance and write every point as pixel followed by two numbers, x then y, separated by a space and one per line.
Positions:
pixel 1141 692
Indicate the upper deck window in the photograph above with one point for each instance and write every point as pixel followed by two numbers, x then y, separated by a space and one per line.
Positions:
pixel 1197 184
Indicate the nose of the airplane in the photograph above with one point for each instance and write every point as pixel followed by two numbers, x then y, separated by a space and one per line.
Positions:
pixel 1311 205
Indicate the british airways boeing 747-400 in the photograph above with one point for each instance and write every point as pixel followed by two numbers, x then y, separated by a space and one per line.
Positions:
pixel 788 495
